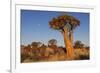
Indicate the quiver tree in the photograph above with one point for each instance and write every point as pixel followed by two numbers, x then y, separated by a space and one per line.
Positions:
pixel 66 24
pixel 52 42
pixel 78 44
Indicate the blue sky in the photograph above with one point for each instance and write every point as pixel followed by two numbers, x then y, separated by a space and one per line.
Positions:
pixel 35 27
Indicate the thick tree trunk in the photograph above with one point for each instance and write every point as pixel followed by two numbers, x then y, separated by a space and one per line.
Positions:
pixel 71 37
pixel 68 45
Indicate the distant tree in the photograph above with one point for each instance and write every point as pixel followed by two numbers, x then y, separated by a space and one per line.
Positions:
pixel 78 44
pixel 39 44
pixel 36 44
pixel 52 42
pixel 28 46
pixel 22 46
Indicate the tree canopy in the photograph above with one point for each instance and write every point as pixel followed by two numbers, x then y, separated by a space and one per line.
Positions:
pixel 61 21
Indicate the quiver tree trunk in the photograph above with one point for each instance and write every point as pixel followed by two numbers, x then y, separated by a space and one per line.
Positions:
pixel 68 44
pixel 71 37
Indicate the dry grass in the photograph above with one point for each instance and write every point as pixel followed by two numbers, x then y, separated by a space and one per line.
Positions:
pixel 51 54
pixel 82 54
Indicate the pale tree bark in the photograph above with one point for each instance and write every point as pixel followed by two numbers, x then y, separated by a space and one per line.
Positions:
pixel 71 37
pixel 68 45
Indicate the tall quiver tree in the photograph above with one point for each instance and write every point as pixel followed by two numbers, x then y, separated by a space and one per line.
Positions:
pixel 66 25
